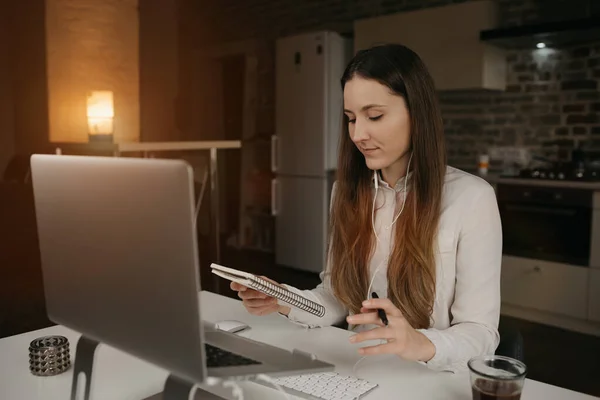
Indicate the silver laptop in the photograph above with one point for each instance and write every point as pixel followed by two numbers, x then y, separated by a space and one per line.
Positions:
pixel 120 265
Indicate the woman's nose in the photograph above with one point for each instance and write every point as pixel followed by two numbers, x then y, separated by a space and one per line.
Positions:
pixel 359 133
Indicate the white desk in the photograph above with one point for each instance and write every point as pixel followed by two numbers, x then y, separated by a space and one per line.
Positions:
pixel 120 376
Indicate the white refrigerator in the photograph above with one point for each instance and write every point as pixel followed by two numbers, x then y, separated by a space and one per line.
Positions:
pixel 308 117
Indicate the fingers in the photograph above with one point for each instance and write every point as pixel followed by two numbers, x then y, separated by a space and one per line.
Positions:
pixel 252 294
pixel 385 304
pixel 255 302
pixel 237 287
pixel 369 318
pixel 260 302
pixel 261 310
pixel 386 348
pixel 373 334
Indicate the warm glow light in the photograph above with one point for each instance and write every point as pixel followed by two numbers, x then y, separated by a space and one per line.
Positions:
pixel 540 45
pixel 100 112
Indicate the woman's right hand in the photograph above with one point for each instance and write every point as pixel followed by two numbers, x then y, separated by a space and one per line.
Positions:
pixel 258 303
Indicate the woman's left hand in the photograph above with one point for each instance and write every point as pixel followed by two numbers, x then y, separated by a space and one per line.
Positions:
pixel 402 339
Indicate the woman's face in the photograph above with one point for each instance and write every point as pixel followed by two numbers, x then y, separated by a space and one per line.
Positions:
pixel 379 125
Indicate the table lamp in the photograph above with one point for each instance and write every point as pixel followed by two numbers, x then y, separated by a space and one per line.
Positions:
pixel 100 116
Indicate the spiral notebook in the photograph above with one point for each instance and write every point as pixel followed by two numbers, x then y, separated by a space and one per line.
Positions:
pixel 268 288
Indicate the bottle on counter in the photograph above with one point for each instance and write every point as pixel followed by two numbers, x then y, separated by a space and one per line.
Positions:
pixel 484 164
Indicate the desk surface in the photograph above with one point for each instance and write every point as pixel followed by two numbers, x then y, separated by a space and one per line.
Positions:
pixel 175 146
pixel 147 146
pixel 118 375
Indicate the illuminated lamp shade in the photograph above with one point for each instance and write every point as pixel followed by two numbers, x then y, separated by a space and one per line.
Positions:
pixel 100 116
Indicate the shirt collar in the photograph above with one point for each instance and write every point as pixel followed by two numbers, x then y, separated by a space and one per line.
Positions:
pixel 398 187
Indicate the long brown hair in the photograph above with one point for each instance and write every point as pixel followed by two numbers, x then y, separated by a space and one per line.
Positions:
pixel 411 268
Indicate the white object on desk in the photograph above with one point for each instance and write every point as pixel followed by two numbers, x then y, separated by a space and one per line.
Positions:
pixel 231 326
pixel 121 376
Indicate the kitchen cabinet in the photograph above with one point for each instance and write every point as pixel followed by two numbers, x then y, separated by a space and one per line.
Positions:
pixel 546 286
pixel 595 234
pixel 452 51
pixel 594 306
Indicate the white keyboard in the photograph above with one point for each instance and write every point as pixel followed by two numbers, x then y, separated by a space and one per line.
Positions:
pixel 324 386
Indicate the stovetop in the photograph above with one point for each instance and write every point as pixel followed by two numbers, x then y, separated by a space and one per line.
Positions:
pixel 562 174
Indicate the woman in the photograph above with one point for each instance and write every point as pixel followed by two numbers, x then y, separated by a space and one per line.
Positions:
pixel 424 236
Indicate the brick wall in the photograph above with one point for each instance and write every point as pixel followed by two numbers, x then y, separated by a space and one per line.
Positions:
pixel 552 103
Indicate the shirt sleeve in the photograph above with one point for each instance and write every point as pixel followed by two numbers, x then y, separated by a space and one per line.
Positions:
pixel 476 307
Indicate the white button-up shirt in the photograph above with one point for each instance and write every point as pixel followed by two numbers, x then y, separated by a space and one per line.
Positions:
pixel 466 309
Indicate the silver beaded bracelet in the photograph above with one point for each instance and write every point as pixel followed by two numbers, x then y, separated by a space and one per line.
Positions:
pixel 49 355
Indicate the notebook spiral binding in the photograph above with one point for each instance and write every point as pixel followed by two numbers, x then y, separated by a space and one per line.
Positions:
pixel 291 298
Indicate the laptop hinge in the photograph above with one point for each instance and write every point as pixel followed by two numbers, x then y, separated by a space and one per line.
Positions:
pixel 310 356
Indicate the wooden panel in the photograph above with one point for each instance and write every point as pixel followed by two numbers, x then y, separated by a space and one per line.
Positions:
pixel 22 304
pixel 594 306
pixel 159 69
pixel 7 126
pixel 30 80
pixel 595 238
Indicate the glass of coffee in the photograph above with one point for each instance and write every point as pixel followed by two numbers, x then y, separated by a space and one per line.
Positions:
pixel 496 378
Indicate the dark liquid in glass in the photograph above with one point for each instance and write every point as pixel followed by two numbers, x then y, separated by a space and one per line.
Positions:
pixel 495 390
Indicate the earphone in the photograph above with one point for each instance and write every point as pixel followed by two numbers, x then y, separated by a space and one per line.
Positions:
pixel 377 237
pixel 377 191
pixel 393 221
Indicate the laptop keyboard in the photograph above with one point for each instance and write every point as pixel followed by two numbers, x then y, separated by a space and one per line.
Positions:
pixel 217 357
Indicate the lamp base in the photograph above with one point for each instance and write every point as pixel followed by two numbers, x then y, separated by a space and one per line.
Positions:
pixel 100 138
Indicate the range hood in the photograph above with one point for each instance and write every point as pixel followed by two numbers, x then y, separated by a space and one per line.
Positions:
pixel 452 51
pixel 552 34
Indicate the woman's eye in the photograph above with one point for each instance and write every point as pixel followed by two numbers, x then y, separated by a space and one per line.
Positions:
pixel 375 118
pixel 351 121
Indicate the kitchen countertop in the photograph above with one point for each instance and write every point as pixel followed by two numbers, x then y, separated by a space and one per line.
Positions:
pixel 549 183
pixel 497 179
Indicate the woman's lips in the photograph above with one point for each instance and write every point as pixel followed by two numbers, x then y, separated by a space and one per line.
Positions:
pixel 369 150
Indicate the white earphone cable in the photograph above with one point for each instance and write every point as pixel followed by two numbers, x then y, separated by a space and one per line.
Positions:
pixel 270 380
pixel 377 237
pixel 393 222
pixel 375 198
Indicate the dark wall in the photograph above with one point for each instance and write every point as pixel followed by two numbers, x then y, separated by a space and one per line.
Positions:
pixel 30 80
pixel 158 60
pixel 7 126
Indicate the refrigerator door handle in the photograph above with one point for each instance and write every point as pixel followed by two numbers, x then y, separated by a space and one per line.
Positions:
pixel 274 153
pixel 274 196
